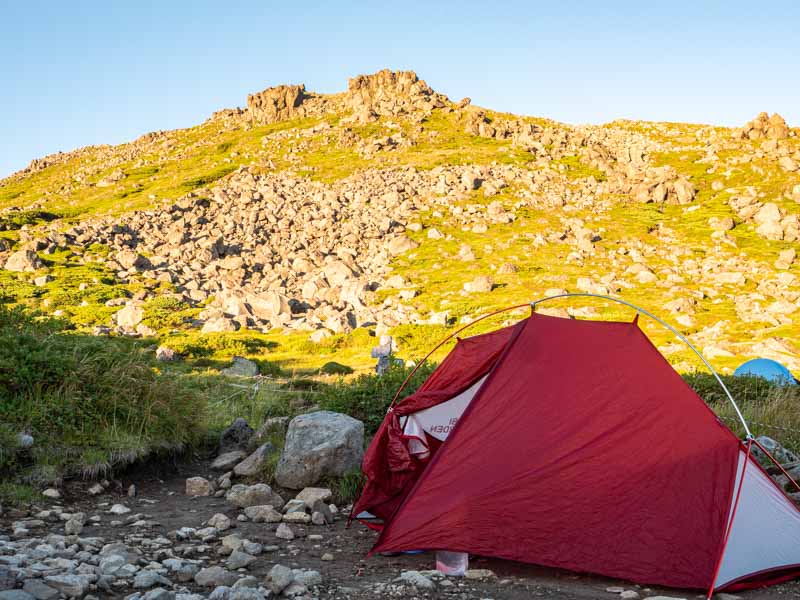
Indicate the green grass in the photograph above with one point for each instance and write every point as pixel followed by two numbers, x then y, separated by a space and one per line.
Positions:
pixel 86 400
pixel 211 177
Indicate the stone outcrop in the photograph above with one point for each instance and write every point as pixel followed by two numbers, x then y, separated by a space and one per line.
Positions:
pixel 276 103
pixel 765 127
pixel 391 93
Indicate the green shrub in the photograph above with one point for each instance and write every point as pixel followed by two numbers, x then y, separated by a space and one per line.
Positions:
pixel 167 312
pixel 335 368
pixel 211 177
pixel 367 397
pixel 14 220
pixel 77 394
pixel 197 345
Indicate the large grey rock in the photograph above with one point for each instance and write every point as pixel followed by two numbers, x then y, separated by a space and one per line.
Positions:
pixel 7 578
pixel 317 445
pixel 260 494
pixel 159 594
pixel 778 452
pixel 128 259
pixel 310 495
pixel 23 260
pixel 245 593
pixel 400 244
pixel 219 325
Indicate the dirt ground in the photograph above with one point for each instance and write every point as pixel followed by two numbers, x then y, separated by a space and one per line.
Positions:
pixel 161 498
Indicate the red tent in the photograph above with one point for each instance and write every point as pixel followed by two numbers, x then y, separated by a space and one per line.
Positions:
pixel 574 444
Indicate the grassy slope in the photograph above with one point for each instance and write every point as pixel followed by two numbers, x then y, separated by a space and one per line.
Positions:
pixel 192 158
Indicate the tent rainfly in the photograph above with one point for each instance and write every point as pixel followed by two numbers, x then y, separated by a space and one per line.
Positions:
pixel 574 444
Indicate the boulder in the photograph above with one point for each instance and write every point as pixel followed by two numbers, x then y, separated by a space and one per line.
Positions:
pixel 220 522
pixel 310 495
pixel 23 260
pixel 128 259
pixel 765 127
pixel 276 103
pixel 214 577
pixel 263 514
pixel 260 494
pixel 241 367
pixel 227 460
pixel 482 283
pixel 279 578
pixel 219 325
pixel 235 436
pixel 269 305
pixel 400 244
pixel 320 444
pixel 166 354
pixel 130 316
pixel 72 586
pixel 253 463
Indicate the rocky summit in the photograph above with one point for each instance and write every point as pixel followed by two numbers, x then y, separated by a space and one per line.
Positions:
pixel 390 208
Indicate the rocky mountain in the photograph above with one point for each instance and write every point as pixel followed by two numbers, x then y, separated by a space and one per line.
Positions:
pixel 391 208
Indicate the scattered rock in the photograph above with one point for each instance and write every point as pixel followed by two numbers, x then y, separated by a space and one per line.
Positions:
pixel 417 580
pixel 263 514
pixel 166 354
pixel 214 577
pixel 279 578
pixel 260 494
pixel 253 463
pixel 227 460
pixel 284 532
pixel 199 486
pixel 241 367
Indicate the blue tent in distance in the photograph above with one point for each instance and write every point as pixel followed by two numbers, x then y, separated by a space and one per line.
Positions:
pixel 766 368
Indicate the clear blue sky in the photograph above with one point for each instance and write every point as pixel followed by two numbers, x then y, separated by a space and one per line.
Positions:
pixel 78 72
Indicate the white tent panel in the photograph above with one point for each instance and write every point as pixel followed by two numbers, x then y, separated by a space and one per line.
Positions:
pixel 438 421
pixel 766 528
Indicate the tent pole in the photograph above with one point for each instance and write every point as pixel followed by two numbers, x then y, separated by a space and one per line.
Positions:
pixel 680 336
pixel 777 464
pixel 444 341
